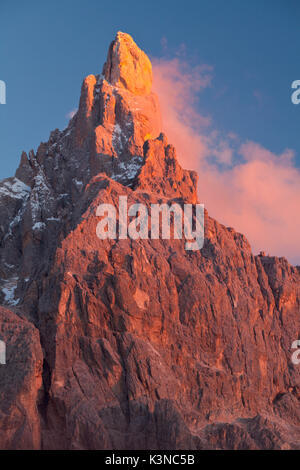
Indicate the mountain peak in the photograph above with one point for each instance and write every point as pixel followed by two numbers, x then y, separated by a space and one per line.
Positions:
pixel 134 342
pixel 128 66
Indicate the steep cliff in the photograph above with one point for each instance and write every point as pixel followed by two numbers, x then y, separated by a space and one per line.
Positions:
pixel 135 344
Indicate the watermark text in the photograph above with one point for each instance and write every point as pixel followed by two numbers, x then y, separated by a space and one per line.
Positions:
pixel 2 352
pixel 296 94
pixel 159 221
pixel 2 92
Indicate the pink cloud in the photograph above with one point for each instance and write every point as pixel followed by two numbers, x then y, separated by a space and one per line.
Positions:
pixel 177 85
pixel 243 185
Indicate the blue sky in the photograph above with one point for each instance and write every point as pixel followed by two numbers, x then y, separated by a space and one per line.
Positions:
pixel 47 48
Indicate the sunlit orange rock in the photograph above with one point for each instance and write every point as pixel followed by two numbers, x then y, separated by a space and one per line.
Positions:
pixel 135 344
pixel 128 66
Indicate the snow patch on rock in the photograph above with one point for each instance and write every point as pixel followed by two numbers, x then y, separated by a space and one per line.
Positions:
pixel 14 188
pixel 127 171
pixel 8 289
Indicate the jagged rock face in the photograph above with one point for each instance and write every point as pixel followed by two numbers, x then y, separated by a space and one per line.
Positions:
pixel 135 344
pixel 21 383
pixel 128 66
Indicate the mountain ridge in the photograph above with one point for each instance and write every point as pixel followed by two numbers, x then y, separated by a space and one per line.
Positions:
pixel 135 344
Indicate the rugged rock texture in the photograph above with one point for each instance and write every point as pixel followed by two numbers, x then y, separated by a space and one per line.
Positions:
pixel 21 383
pixel 128 66
pixel 135 344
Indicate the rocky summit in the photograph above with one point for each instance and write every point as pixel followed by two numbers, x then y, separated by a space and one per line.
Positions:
pixel 135 344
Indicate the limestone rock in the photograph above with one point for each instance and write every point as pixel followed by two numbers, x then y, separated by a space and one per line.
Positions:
pixel 21 393
pixel 128 66
pixel 135 344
